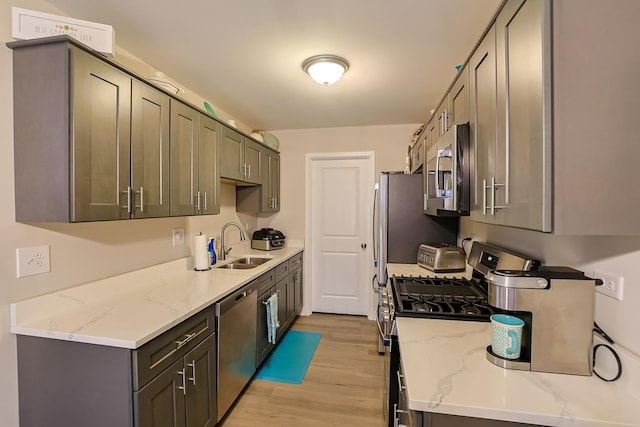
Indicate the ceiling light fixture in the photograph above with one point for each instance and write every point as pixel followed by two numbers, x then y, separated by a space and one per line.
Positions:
pixel 325 69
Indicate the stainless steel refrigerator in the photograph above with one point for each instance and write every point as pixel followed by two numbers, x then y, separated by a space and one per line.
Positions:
pixel 400 225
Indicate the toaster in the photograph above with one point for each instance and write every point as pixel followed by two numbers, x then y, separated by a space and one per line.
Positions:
pixel 441 257
pixel 267 239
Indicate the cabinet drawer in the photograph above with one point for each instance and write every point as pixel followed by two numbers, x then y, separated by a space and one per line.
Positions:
pixel 282 271
pixel 265 282
pixel 158 354
pixel 295 261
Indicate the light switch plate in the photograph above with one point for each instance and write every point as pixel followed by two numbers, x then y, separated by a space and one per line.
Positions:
pixel 32 260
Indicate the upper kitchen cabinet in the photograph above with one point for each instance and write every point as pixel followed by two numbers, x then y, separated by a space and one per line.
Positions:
pixel 596 96
pixel 91 143
pixel 194 166
pixel 417 153
pixel 546 158
pixel 149 190
pixel 265 197
pixel 240 157
pixel 454 108
pixel 510 118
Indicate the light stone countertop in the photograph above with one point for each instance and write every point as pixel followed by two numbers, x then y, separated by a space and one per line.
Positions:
pixel 131 309
pixel 446 371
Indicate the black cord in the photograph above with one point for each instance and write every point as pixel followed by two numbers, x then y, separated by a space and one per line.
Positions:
pixel 595 349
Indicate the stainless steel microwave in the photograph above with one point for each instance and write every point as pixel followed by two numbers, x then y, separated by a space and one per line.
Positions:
pixel 447 174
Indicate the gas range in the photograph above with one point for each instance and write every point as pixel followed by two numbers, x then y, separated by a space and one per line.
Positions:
pixel 444 298
pixel 456 298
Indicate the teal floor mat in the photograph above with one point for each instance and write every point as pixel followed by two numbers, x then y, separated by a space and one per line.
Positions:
pixel 290 360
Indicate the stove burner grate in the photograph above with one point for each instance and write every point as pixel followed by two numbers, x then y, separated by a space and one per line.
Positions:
pixel 451 298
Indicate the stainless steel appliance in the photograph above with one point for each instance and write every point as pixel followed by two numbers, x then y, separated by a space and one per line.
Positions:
pixel 557 306
pixel 236 316
pixel 441 258
pixel 267 239
pixel 400 225
pixel 454 298
pixel 447 173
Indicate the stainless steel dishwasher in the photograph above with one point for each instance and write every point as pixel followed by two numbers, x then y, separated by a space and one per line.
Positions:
pixel 236 316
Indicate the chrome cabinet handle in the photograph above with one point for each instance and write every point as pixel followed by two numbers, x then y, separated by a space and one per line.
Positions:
pixel 197 196
pixel 128 192
pixel 141 192
pixel 396 420
pixel 205 201
pixel 249 177
pixel 400 376
pixel 493 195
pixel 192 365
pixel 182 387
pixel 484 196
pixel 187 338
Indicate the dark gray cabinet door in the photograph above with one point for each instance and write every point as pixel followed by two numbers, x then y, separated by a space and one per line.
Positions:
pixel 253 161
pixel 183 164
pixel 524 126
pixel 263 345
pixel 298 291
pixel 101 140
pixel 283 310
pixel 232 154
pixel 161 403
pixel 459 99
pixel 270 191
pixel 482 70
pixel 149 152
pixel 200 377
pixel 209 166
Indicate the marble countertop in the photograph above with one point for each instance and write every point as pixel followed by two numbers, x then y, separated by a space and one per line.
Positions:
pixel 446 371
pixel 131 309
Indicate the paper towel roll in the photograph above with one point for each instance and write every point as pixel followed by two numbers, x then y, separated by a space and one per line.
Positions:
pixel 200 254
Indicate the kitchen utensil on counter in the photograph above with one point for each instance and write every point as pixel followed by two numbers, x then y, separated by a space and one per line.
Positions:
pixel 506 335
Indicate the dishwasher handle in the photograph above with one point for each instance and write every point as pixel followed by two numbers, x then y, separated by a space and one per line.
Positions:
pixel 235 298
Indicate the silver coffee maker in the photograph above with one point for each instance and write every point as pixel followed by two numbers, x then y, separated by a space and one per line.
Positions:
pixel 557 306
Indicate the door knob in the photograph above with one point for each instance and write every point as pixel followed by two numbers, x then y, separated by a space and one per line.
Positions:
pixel 363 245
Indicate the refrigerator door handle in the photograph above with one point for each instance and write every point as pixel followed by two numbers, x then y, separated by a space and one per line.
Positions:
pixel 373 227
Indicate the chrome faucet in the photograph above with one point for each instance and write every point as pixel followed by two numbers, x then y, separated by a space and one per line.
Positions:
pixel 223 251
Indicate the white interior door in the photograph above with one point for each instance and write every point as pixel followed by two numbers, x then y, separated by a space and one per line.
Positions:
pixel 339 202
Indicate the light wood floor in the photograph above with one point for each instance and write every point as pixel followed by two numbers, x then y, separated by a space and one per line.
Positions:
pixel 343 386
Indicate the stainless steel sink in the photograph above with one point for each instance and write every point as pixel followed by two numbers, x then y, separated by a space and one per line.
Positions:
pixel 246 262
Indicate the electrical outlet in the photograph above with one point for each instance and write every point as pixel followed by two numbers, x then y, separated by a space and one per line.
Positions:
pixel 178 236
pixel 612 285
pixel 32 260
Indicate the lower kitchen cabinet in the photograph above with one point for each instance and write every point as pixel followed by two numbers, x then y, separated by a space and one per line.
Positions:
pixel 170 381
pixel 184 394
pixel 285 280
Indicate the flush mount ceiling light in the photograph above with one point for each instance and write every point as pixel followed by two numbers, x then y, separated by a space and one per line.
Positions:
pixel 325 69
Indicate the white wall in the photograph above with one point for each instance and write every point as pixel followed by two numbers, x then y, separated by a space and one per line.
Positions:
pixel 389 143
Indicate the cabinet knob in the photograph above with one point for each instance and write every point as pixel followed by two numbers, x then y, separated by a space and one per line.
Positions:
pixel 363 245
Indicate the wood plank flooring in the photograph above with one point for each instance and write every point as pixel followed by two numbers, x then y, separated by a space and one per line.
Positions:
pixel 343 386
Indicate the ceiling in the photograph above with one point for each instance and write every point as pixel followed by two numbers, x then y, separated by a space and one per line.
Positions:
pixel 245 56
